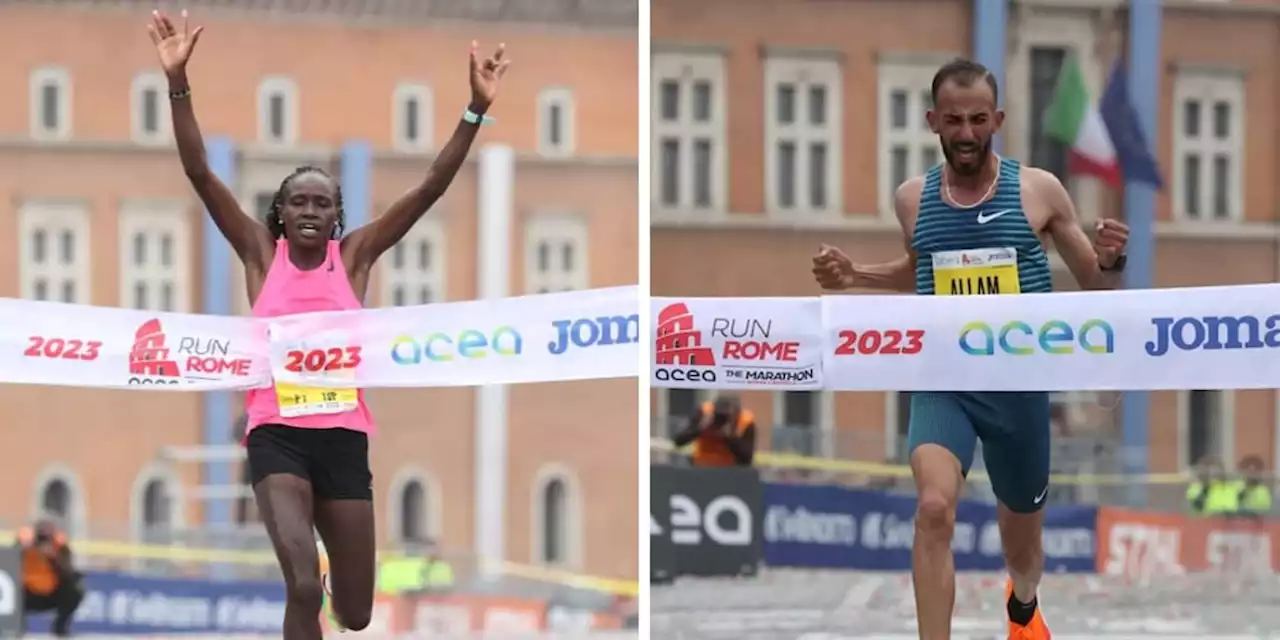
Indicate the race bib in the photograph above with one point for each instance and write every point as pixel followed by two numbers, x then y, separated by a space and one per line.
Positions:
pixel 976 272
pixel 318 362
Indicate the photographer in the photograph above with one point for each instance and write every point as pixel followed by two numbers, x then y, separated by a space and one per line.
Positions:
pixel 49 580
pixel 722 433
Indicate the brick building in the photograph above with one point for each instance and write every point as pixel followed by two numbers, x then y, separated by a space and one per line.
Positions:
pixel 95 209
pixel 781 125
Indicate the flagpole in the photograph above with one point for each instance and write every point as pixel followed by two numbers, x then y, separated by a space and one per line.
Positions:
pixel 1139 204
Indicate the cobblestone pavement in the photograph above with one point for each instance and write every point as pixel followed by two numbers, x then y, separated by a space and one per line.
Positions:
pixel 815 605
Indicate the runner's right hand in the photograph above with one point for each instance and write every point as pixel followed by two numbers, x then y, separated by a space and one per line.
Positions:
pixel 173 45
pixel 832 269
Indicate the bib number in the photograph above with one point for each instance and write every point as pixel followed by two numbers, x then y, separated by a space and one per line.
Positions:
pixel 976 272
pixel 296 400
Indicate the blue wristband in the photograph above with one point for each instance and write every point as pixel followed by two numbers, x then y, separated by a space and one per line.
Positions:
pixel 471 117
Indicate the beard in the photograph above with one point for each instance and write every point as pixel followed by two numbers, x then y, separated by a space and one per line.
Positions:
pixel 967 166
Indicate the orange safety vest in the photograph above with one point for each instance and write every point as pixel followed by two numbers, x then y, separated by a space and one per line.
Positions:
pixel 38 574
pixel 709 449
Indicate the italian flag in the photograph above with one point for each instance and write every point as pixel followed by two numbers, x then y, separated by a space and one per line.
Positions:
pixel 1074 120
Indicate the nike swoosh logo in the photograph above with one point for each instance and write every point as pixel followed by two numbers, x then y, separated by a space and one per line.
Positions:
pixel 1040 498
pixel 984 218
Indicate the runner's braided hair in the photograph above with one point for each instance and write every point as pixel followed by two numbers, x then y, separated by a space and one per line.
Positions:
pixel 276 225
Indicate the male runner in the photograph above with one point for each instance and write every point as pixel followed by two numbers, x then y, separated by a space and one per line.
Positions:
pixel 979 205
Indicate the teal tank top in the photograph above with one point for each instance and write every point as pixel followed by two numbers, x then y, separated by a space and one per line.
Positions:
pixel 942 227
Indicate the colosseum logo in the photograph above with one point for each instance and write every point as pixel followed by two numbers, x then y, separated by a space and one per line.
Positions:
pixel 678 351
pixel 150 361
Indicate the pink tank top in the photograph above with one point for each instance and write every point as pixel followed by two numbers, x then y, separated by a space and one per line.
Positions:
pixel 290 290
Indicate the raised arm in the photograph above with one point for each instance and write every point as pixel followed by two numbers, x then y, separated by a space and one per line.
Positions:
pixel 250 239
pixel 1094 264
pixel 362 247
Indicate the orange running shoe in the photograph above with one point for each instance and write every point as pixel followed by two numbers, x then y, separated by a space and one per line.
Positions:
pixel 1035 630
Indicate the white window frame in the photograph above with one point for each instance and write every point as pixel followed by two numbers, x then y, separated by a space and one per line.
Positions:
pixel 143 82
pixel 422 93
pixel 574 538
pixel 138 497
pixel 824 417
pixel 803 72
pixel 430 228
pixel 152 218
pixel 1078 32
pixel 1209 88
pixel 77 521
pixel 39 79
pixel 557 228
pixel 561 97
pixel 686 68
pixel 288 89
pixel 915 77
pixel 430 488
pixel 54 218
pixel 1227 414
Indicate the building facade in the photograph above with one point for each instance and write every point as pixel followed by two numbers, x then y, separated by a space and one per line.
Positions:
pixel 96 210
pixel 782 125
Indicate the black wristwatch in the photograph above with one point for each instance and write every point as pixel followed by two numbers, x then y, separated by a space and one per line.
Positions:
pixel 1118 266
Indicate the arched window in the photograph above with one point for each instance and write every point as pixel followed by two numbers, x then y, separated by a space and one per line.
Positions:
pixel 413 511
pixel 58 493
pixel 557 517
pixel 55 499
pixel 156 519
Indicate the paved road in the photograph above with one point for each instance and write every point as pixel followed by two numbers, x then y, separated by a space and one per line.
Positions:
pixel 815 605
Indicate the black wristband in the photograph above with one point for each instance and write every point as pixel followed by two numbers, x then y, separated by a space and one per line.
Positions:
pixel 180 94
pixel 1116 267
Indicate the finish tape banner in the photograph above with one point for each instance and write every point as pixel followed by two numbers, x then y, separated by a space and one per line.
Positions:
pixel 829 527
pixel 545 338
pixel 1191 338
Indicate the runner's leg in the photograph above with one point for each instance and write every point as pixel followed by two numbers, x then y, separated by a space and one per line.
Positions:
pixel 347 528
pixel 942 442
pixel 285 503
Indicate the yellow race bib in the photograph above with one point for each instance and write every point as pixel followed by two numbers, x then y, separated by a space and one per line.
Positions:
pixel 298 401
pixel 976 272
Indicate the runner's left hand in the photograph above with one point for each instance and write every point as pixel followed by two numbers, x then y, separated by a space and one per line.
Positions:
pixel 485 74
pixel 1109 241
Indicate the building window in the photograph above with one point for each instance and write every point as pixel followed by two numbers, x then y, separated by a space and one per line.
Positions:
pixel 557 517
pixel 54 253
pixel 688 137
pixel 802 129
pixel 556 130
pixel 906 144
pixel 555 254
pixel 797 422
pixel 413 117
pixel 278 111
pixel 1208 146
pixel 58 494
pixel 1047 152
pixel 153 257
pixel 1206 425
pixel 150 109
pixel 414 272
pixel 415 512
pixel 50 103
pixel 262 205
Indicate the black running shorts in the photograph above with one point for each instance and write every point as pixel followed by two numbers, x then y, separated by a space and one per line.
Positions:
pixel 335 461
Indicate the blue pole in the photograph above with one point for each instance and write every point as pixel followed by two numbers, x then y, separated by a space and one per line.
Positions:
pixel 990 18
pixel 356 178
pixel 218 418
pixel 1139 203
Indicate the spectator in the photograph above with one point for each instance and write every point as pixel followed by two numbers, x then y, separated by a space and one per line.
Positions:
pixel 1255 490
pixel 1211 494
pixel 420 570
pixel 49 579
pixel 722 433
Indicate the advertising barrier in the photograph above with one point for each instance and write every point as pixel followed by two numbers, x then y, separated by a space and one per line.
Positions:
pixel 704 522
pixel 833 527
pixel 544 338
pixel 1190 338
pixel 1142 546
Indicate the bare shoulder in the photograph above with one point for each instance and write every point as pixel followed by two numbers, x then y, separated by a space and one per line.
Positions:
pixel 1042 183
pixel 906 201
pixel 1044 198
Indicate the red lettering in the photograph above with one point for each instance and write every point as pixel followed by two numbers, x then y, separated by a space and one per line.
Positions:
pixel 217 366
pixel 61 348
pixel 876 342
pixel 761 350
